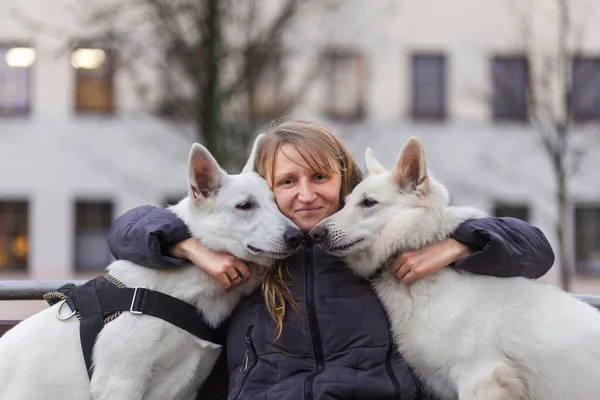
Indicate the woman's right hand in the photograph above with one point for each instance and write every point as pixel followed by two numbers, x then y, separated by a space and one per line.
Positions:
pixel 226 268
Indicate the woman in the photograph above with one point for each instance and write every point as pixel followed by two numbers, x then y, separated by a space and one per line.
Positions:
pixel 323 333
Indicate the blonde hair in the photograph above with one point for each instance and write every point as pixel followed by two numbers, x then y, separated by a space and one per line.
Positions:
pixel 322 151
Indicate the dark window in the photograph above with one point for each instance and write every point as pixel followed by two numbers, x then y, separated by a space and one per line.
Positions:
pixel 92 223
pixel 345 80
pixel 510 76
pixel 512 210
pixel 94 91
pixel 586 89
pixel 15 79
pixel 14 236
pixel 429 86
pixel 587 240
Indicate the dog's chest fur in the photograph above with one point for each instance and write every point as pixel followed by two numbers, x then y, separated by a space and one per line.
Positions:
pixel 422 326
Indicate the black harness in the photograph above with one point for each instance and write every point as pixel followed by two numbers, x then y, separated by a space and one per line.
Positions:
pixel 103 299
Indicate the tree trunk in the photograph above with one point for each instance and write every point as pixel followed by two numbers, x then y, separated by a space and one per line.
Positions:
pixel 209 125
pixel 561 207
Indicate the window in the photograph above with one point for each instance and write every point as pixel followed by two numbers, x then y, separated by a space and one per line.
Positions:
pixel 345 74
pixel 429 87
pixel 510 76
pixel 92 222
pixel 15 79
pixel 94 90
pixel 14 235
pixel 587 240
pixel 172 200
pixel 267 93
pixel 586 89
pixel 520 211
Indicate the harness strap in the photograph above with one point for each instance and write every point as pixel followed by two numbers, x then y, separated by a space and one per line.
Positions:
pixel 91 323
pixel 96 302
pixel 145 301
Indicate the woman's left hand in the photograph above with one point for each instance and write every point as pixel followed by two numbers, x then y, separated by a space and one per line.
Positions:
pixel 413 265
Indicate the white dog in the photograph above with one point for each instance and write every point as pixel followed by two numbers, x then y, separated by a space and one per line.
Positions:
pixel 467 336
pixel 140 356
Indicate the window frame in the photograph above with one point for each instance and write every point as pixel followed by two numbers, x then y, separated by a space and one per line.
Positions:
pixel 514 209
pixel 331 109
pixel 582 266
pixel 584 116
pixel 17 202
pixel 416 113
pixel 522 114
pixel 77 227
pixel 5 112
pixel 110 75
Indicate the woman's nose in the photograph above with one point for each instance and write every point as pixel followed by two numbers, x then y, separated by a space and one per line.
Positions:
pixel 306 192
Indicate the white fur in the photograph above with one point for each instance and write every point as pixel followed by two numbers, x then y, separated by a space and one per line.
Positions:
pixel 139 356
pixel 467 336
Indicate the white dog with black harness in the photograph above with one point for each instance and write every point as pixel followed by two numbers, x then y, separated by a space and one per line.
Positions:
pixel 144 333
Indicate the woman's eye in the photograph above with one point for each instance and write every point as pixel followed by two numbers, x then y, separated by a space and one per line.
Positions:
pixel 368 203
pixel 286 182
pixel 244 206
pixel 320 177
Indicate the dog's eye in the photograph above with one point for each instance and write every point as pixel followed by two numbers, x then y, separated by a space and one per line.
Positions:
pixel 368 203
pixel 245 206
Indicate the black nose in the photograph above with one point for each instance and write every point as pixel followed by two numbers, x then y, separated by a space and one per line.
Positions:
pixel 319 233
pixel 293 237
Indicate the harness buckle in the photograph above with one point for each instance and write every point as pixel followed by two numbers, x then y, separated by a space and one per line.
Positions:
pixel 135 293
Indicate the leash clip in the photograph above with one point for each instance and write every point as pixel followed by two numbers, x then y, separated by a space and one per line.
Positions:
pixel 135 292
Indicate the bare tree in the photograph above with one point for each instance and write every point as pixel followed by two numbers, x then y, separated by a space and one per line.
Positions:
pixel 553 93
pixel 211 56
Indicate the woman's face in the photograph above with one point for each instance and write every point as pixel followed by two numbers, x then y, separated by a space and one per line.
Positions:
pixel 303 195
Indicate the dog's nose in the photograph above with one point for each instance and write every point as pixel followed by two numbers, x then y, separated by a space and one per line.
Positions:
pixel 293 237
pixel 319 233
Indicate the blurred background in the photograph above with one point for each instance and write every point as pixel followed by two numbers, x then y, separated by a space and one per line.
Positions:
pixel 100 101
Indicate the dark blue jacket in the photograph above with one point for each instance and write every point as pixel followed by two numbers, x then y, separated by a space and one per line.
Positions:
pixel 338 346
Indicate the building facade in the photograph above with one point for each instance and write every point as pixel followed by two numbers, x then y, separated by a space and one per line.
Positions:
pixel 78 146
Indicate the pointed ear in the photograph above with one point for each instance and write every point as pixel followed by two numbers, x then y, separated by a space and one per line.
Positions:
pixel 205 175
pixel 373 166
pixel 249 167
pixel 411 168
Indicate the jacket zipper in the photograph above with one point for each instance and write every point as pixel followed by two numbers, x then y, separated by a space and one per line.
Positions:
pixel 246 367
pixel 313 323
pixel 388 361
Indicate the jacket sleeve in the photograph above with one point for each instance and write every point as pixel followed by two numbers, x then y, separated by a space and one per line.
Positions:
pixel 504 247
pixel 144 235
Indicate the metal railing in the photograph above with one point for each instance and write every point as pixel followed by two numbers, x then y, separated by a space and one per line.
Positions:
pixel 30 290
pixel 34 290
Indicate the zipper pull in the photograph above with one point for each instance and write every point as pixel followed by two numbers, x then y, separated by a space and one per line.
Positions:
pixel 244 366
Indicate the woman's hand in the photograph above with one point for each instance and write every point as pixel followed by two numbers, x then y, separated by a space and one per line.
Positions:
pixel 413 265
pixel 226 268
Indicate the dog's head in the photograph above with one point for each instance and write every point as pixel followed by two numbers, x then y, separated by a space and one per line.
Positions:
pixel 235 213
pixel 388 212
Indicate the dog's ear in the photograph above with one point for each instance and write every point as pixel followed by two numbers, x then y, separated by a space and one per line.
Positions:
pixel 205 175
pixel 249 167
pixel 373 166
pixel 411 168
